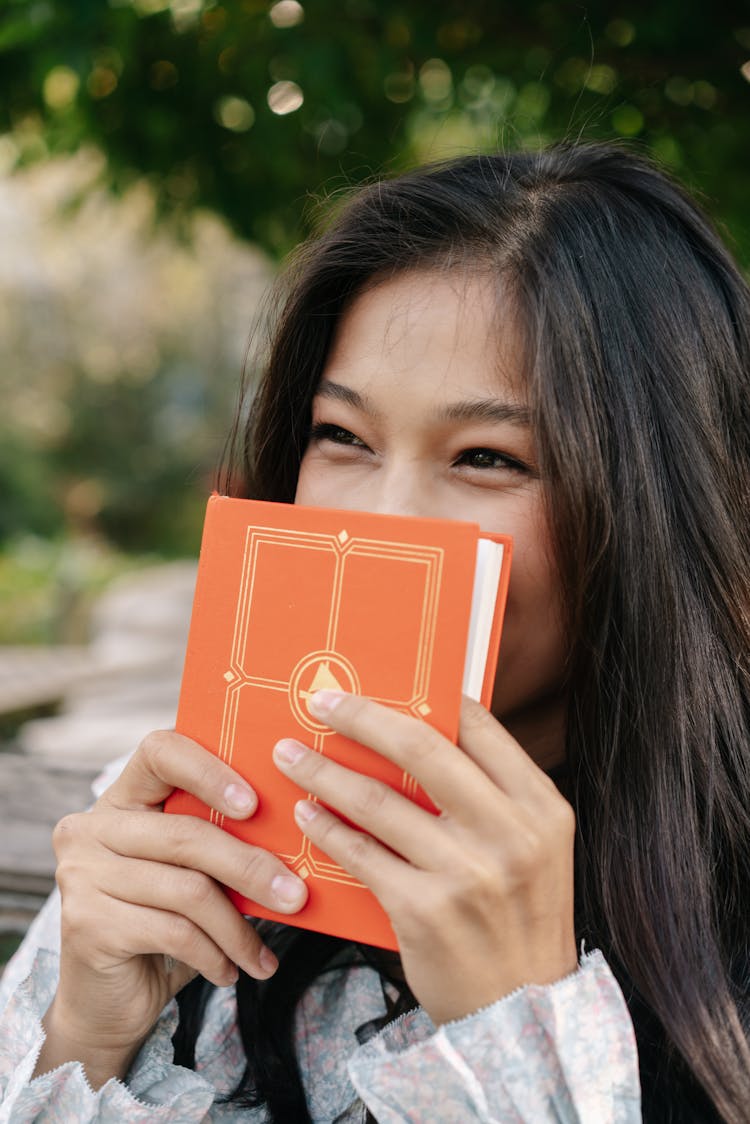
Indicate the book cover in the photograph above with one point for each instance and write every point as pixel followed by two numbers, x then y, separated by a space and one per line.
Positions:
pixel 291 599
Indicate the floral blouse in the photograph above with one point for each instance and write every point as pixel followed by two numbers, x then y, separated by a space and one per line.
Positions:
pixel 561 1053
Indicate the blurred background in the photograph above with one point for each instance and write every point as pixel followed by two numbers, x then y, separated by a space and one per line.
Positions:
pixel 158 160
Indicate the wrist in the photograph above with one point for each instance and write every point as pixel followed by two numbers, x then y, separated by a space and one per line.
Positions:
pixel 65 1041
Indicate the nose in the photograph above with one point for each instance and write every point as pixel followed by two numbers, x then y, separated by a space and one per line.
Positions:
pixel 404 489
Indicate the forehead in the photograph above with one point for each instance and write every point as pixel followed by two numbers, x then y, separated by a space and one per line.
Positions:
pixel 455 333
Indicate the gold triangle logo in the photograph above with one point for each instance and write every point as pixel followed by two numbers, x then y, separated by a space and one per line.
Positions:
pixel 322 680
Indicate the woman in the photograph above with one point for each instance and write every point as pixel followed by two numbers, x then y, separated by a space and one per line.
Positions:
pixel 555 345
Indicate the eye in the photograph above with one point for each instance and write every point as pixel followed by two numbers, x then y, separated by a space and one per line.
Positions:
pixel 489 459
pixel 324 431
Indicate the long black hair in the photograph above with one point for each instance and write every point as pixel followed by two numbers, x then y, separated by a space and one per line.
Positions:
pixel 637 330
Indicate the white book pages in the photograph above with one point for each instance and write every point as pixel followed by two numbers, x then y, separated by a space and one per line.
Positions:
pixel 486 578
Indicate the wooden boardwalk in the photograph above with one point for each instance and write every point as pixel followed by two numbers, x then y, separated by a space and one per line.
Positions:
pixel 33 677
pixel 86 707
pixel 32 800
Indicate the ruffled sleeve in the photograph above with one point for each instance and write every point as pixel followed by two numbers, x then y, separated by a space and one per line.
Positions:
pixel 561 1053
pixel 156 1089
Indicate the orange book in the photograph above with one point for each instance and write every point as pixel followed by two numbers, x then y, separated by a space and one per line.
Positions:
pixel 291 599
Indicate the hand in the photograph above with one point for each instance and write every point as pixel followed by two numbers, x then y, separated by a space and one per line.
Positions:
pixel 137 885
pixel 481 895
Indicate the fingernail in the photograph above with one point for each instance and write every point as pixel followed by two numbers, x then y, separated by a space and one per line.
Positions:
pixel 267 961
pixel 323 702
pixel 289 751
pixel 288 888
pixel 305 810
pixel 240 798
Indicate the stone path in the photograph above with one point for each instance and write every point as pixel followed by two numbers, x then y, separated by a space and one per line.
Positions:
pixel 33 677
pixel 125 683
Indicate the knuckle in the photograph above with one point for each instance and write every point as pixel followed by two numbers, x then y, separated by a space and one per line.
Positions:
pixel 198 889
pixel 181 936
pixel 527 854
pixel 66 832
pixel 69 882
pixel 154 747
pixel 181 832
pixel 252 870
pixel 207 770
pixel 361 850
pixel 478 876
pixel 557 824
pixel 565 818
pixel 370 799
pixel 418 744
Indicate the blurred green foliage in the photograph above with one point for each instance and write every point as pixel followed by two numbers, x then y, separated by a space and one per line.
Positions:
pixel 248 106
pixel 47 587
pixel 120 346
pixel 251 108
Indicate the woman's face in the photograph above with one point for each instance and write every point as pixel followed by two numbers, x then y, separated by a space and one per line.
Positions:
pixel 421 411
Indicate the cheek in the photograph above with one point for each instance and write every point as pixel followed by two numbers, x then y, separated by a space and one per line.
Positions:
pixel 321 485
pixel 313 487
pixel 534 646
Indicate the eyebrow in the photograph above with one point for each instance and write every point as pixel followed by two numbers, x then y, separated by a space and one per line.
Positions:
pixel 474 409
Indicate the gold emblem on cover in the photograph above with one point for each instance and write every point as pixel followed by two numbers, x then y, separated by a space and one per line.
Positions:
pixel 317 671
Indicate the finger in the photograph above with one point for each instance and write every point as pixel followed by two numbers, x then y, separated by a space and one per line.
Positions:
pixel 146 930
pixel 499 755
pixel 165 761
pixel 404 827
pixel 192 894
pixel 455 783
pixel 363 857
pixel 193 843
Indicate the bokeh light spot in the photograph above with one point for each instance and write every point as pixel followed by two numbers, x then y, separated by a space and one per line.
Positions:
pixel 185 13
pixel 478 83
pixel 101 82
pixel 399 87
pixel 234 113
pixel 227 60
pixel 571 75
pixel 533 101
pixel 163 75
pixel 60 87
pixel 667 150
pixel 679 90
pixel 286 13
pixel 436 80
pixel 620 32
pixel 704 94
pixel 284 97
pixel 601 79
pixel 627 120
